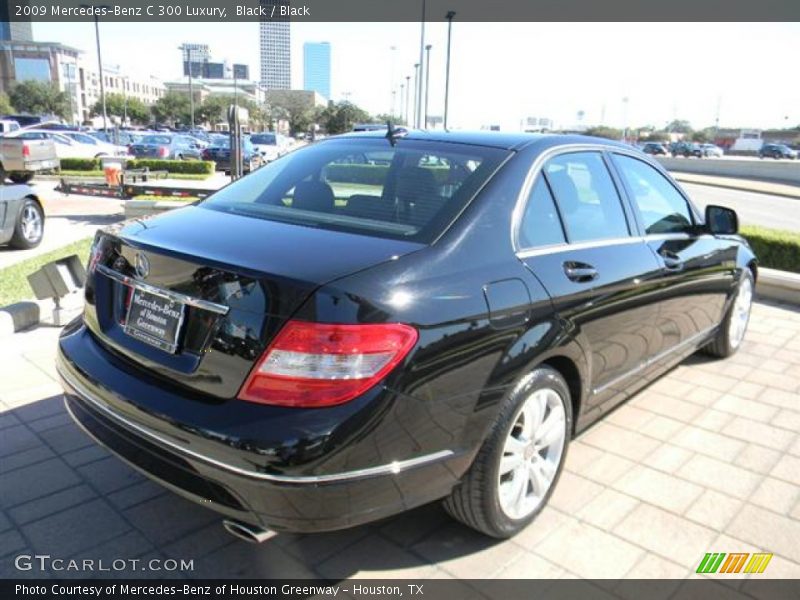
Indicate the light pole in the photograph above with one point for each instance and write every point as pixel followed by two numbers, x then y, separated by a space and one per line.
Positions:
pixel 391 80
pixel 100 69
pixel 625 119
pixel 402 108
pixel 449 16
pixel 187 54
pixel 408 87
pixel 417 84
pixel 427 81
pixel 418 99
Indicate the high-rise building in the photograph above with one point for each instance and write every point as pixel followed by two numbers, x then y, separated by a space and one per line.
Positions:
pixel 317 68
pixel 275 47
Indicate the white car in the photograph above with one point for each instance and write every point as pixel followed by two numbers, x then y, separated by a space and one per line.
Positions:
pixel 66 147
pixel 270 145
pixel 103 148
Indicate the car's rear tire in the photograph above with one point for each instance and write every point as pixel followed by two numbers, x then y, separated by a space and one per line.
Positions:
pixel 29 228
pixel 734 325
pixel 20 176
pixel 520 461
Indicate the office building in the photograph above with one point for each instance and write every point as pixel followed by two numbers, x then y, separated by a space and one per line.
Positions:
pixel 317 68
pixel 275 48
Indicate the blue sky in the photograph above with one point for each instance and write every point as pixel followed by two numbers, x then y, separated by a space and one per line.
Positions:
pixel 502 73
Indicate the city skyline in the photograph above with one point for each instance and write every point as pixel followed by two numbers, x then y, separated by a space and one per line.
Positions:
pixel 516 71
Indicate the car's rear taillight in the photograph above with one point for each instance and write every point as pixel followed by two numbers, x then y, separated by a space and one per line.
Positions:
pixel 26 150
pixel 320 364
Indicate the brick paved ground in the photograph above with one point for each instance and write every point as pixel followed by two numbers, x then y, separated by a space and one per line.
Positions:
pixel 706 459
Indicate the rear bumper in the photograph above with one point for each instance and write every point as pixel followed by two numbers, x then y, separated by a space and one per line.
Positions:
pixel 258 495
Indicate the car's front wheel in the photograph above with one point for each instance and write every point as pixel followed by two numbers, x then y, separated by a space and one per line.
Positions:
pixel 734 325
pixel 518 465
pixel 29 229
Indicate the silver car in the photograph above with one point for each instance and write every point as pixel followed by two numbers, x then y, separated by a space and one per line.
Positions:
pixel 21 217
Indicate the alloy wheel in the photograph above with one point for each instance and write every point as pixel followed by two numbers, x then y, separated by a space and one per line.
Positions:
pixel 741 312
pixel 532 453
pixel 31 223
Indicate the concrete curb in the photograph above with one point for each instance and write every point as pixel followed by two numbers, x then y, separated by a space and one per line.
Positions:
pixel 778 285
pixel 742 185
pixel 18 316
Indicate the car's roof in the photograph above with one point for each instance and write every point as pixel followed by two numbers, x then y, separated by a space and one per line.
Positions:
pixel 494 139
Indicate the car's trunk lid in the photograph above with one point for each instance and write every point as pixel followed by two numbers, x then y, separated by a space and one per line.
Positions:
pixel 232 282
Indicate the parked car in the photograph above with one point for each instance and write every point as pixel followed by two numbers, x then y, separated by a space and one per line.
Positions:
pixel 270 145
pixel 20 158
pixel 319 344
pixel 686 149
pixel 654 148
pixel 66 147
pixel 167 146
pixel 124 137
pixel 711 151
pixel 777 151
pixel 21 217
pixel 220 152
pixel 8 126
pixel 103 148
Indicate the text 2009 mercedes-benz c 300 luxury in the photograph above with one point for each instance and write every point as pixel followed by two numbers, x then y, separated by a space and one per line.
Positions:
pixel 381 320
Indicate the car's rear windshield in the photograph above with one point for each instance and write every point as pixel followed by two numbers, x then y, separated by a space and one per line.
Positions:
pixel 264 138
pixel 156 139
pixel 409 191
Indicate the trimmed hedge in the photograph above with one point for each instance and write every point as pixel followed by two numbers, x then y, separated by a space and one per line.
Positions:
pixel 191 167
pixel 775 249
pixel 372 174
pixel 80 164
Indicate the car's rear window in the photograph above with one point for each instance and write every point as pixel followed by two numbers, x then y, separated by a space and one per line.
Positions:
pixel 264 138
pixel 410 191
pixel 156 139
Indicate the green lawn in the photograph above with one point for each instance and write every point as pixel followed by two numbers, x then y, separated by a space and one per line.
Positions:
pixel 14 279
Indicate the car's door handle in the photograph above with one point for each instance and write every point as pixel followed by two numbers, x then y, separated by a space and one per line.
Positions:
pixel 580 272
pixel 671 261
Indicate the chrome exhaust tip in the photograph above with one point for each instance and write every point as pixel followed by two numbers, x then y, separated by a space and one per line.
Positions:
pixel 247 532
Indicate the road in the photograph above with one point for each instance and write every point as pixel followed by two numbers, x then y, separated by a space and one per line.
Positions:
pixel 754 208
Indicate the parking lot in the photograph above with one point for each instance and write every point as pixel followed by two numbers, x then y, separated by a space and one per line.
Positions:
pixel 706 459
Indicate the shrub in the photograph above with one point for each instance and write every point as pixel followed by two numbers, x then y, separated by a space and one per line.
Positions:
pixel 775 249
pixel 80 164
pixel 194 167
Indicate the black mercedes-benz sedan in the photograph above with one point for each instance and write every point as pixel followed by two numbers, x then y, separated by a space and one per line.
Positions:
pixel 385 319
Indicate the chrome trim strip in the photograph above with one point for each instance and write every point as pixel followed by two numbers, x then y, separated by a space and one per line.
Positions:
pixel 556 248
pixel 168 294
pixel 651 361
pixel 392 468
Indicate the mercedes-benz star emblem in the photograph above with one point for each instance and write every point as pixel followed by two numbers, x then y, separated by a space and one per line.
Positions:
pixel 142 266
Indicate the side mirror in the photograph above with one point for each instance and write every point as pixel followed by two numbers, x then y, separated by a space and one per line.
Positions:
pixel 721 220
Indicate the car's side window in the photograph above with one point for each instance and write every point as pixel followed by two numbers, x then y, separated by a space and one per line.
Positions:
pixel 587 197
pixel 661 206
pixel 541 225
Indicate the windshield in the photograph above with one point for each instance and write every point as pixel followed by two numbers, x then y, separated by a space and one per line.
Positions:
pixel 156 139
pixel 410 191
pixel 83 138
pixel 264 138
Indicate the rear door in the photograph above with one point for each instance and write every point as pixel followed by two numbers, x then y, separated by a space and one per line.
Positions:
pixel 579 239
pixel 697 269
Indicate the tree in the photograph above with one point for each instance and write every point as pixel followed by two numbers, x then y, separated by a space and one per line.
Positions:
pixel 605 132
pixel 39 97
pixel 704 135
pixel 679 126
pixel 294 109
pixel 173 107
pixel 5 105
pixel 340 117
pixel 118 105
pixel 658 136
